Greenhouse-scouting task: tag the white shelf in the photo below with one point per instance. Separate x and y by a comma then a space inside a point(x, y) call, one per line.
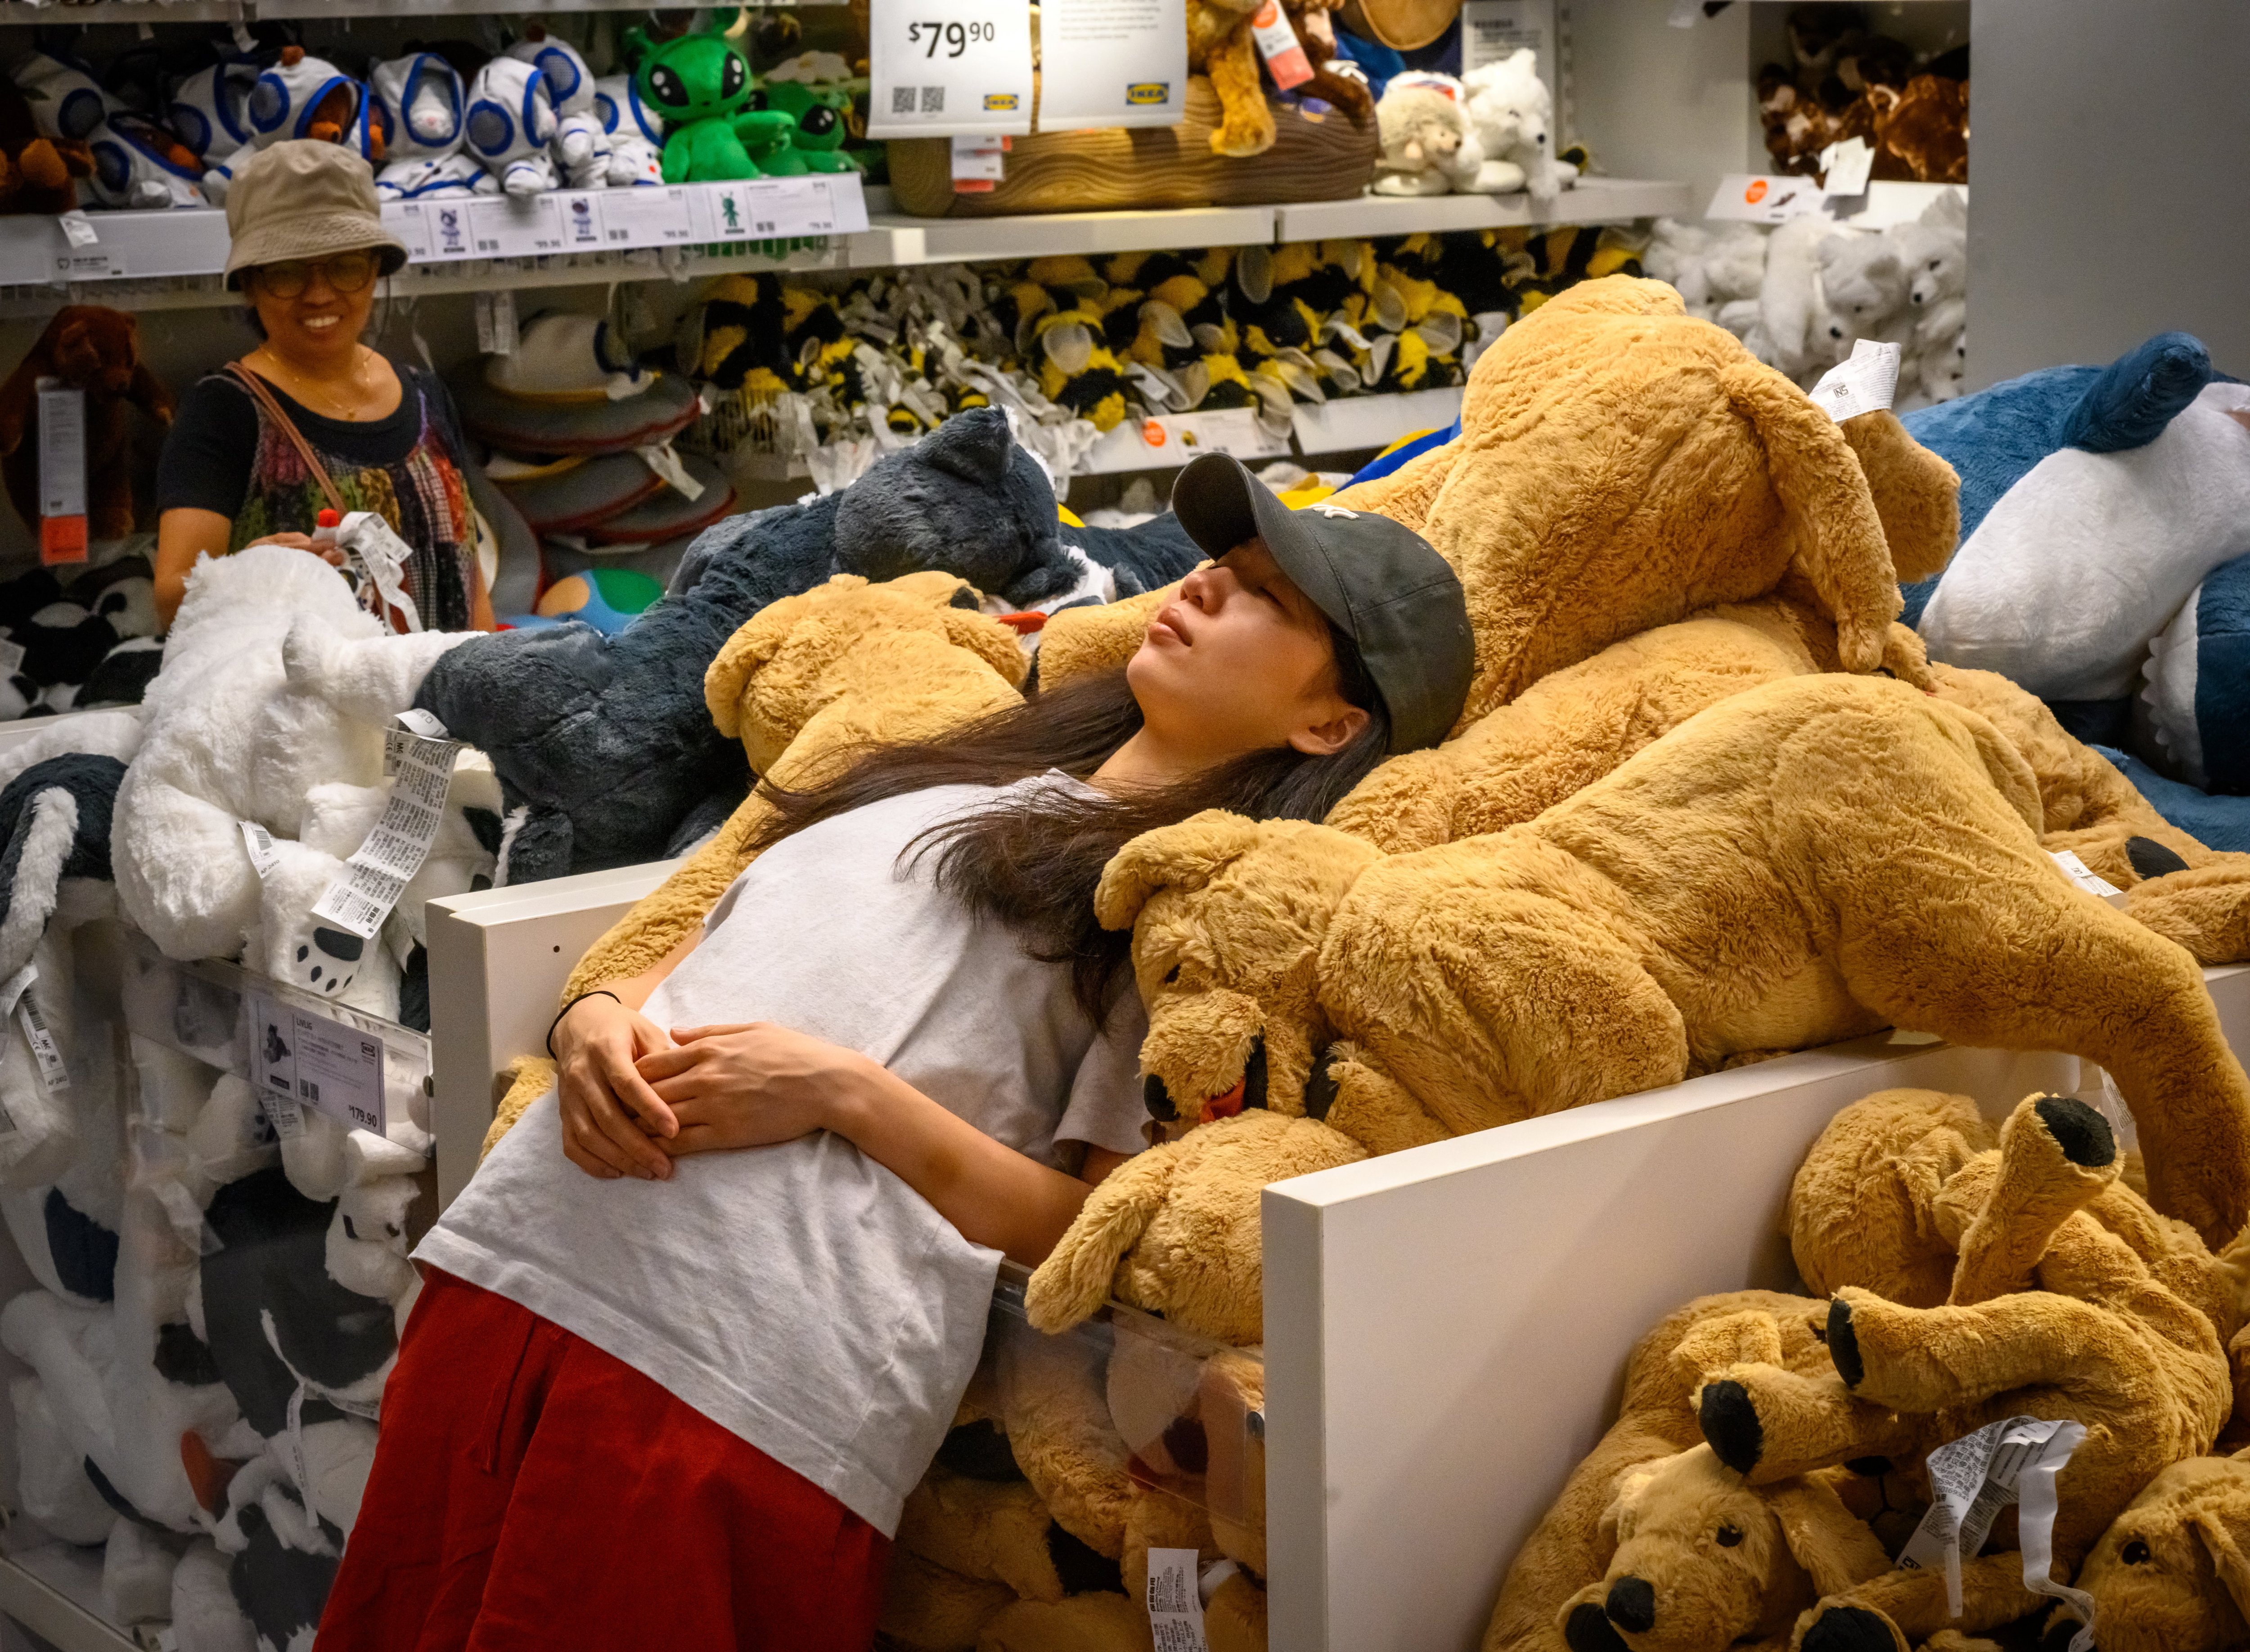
point(1353, 422)
point(51, 1605)
point(893, 238)
point(170, 260)
point(1591, 200)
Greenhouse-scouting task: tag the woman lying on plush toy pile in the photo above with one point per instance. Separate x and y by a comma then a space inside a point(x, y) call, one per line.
point(702, 1321)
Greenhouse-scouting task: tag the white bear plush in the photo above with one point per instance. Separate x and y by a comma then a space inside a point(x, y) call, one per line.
point(1935, 251)
point(238, 730)
point(1717, 270)
point(1863, 284)
point(1512, 115)
point(1795, 330)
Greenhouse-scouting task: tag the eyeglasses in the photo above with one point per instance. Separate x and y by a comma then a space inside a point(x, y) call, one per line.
point(345, 273)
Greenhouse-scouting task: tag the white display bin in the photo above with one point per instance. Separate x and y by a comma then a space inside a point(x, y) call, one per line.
point(1446, 1328)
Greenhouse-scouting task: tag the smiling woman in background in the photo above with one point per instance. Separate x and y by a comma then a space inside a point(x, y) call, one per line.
point(313, 419)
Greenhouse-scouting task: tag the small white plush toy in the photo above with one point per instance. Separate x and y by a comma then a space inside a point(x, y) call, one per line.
point(1428, 146)
point(1512, 115)
point(580, 143)
point(1863, 282)
point(308, 97)
point(1795, 331)
point(512, 122)
point(635, 134)
point(1712, 268)
point(1934, 250)
point(66, 100)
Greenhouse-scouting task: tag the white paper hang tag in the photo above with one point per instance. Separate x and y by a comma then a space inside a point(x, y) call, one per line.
point(1277, 43)
point(11, 657)
point(666, 464)
point(2086, 878)
point(367, 536)
point(979, 163)
point(62, 472)
point(302, 1058)
point(1175, 1601)
point(259, 843)
point(947, 66)
point(77, 229)
point(380, 867)
point(1975, 1477)
point(1845, 166)
point(496, 323)
point(1864, 384)
point(54, 1072)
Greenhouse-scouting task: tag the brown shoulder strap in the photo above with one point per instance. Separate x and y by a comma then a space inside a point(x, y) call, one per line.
point(263, 395)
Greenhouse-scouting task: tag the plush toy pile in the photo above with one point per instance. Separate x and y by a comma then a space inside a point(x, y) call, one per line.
point(1071, 347)
point(159, 127)
point(1803, 295)
point(1489, 131)
point(1843, 82)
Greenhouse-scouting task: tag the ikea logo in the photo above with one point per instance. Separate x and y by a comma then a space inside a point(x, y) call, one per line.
point(1150, 92)
point(999, 100)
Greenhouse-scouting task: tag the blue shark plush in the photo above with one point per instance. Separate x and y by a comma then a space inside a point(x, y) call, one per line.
point(2104, 561)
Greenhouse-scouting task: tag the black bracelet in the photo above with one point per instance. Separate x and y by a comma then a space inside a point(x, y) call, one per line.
point(598, 991)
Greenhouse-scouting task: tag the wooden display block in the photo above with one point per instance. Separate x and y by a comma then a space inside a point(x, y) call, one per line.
point(1315, 157)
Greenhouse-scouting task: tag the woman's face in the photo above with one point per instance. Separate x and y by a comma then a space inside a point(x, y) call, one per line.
point(319, 324)
point(1240, 661)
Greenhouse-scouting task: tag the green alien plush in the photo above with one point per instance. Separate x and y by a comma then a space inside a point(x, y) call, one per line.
point(699, 83)
point(816, 145)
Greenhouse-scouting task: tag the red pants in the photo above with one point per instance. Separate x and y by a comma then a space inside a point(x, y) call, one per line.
point(532, 1494)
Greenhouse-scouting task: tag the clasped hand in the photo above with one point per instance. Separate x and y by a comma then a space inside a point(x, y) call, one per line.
point(634, 1097)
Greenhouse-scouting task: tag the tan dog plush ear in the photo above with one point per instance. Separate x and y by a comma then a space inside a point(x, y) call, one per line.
point(1839, 544)
point(2227, 1557)
point(1073, 1282)
point(1186, 857)
point(1917, 494)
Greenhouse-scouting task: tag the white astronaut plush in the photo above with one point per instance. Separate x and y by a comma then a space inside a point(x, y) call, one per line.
point(65, 102)
point(512, 121)
point(306, 97)
point(422, 105)
point(581, 144)
point(210, 112)
point(636, 135)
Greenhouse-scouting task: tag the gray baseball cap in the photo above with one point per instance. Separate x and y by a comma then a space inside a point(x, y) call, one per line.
point(1379, 582)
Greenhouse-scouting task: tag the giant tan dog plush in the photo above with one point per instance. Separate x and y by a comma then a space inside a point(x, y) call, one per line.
point(2172, 1572)
point(1815, 858)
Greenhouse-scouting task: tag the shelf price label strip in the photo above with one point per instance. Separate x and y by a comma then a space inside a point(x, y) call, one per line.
point(565, 221)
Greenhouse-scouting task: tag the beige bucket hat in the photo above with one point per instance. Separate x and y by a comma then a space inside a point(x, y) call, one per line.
point(305, 199)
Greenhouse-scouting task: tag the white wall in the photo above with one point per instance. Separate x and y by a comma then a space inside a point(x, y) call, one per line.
point(2110, 154)
point(1652, 101)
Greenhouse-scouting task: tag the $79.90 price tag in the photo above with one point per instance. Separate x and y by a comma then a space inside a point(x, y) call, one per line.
point(942, 66)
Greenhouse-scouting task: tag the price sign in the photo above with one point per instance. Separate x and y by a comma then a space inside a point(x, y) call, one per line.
point(515, 226)
point(1179, 437)
point(771, 208)
point(940, 66)
point(405, 220)
point(1751, 198)
point(1112, 63)
point(647, 215)
point(1493, 30)
point(301, 1059)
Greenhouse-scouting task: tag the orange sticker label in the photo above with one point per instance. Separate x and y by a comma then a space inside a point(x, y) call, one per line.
point(1755, 193)
point(1152, 433)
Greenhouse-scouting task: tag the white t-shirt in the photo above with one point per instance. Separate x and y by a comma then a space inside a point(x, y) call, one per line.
point(801, 1295)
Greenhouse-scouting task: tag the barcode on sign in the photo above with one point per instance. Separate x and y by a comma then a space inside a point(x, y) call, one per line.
point(932, 100)
point(485, 246)
point(310, 1091)
point(765, 225)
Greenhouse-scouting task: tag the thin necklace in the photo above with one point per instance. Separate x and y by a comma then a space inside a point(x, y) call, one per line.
point(359, 376)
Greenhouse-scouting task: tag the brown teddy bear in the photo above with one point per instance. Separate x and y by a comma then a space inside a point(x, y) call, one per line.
point(1219, 45)
point(38, 174)
point(2170, 1574)
point(98, 351)
point(1669, 895)
point(2051, 1315)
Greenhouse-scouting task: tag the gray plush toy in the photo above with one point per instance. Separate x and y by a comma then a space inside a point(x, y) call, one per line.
point(604, 749)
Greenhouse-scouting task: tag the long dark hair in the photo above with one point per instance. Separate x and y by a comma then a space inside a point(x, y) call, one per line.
point(1033, 860)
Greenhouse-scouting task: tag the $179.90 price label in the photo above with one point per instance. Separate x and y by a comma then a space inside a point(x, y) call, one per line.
point(942, 66)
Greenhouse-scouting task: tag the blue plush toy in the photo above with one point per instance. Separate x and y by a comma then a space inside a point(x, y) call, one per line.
point(604, 744)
